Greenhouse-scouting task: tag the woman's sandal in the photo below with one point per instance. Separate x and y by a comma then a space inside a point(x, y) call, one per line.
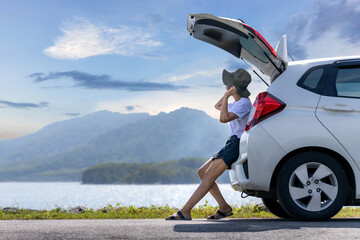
point(179, 216)
point(221, 215)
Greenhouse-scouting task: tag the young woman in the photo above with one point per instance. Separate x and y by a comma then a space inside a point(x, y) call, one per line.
point(237, 114)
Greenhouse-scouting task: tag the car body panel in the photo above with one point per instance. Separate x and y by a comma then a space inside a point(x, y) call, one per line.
point(338, 116)
point(260, 172)
point(237, 38)
point(296, 127)
point(341, 114)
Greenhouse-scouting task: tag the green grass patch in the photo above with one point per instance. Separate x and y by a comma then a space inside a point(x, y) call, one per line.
point(153, 212)
point(349, 212)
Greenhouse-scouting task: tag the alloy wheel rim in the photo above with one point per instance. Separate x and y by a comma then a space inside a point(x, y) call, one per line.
point(313, 186)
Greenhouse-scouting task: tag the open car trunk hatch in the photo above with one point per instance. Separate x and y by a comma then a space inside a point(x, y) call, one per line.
point(237, 38)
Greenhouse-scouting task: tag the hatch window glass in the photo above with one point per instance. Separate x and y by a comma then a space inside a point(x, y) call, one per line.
point(249, 44)
point(348, 82)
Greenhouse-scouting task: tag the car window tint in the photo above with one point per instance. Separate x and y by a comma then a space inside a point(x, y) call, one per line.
point(313, 79)
point(249, 44)
point(348, 82)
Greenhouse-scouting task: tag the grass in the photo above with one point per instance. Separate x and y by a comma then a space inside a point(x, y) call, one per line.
point(153, 212)
point(349, 212)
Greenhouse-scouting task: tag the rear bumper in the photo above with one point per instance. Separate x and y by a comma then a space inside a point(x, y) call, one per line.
point(259, 155)
point(237, 174)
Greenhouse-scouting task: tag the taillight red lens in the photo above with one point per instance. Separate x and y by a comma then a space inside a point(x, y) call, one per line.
point(266, 105)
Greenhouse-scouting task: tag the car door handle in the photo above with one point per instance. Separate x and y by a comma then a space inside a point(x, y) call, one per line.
point(337, 107)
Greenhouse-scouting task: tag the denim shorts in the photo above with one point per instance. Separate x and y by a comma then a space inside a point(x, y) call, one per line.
point(230, 152)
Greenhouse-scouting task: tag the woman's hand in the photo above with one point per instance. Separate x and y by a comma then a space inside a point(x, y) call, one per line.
point(225, 116)
point(230, 92)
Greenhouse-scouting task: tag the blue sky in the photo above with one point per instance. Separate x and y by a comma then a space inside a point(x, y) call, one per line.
point(62, 59)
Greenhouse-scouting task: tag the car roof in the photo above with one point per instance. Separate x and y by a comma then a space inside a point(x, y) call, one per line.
point(321, 61)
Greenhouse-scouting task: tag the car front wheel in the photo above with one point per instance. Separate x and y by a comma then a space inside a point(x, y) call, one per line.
point(312, 186)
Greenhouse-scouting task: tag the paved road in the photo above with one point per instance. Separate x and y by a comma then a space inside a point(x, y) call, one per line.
point(196, 229)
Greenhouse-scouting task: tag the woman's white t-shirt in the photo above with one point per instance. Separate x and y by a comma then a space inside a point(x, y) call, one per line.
point(242, 109)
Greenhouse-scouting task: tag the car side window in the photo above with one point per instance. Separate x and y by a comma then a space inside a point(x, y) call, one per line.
point(347, 82)
point(314, 79)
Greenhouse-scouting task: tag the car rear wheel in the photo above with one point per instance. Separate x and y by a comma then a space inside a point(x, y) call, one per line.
point(275, 208)
point(312, 186)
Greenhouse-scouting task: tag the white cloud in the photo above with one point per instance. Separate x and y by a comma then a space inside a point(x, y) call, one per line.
point(202, 98)
point(82, 39)
point(153, 56)
point(330, 45)
point(209, 72)
point(173, 77)
point(181, 77)
point(327, 30)
point(353, 4)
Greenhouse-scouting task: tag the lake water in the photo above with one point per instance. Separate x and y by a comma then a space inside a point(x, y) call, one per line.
point(49, 195)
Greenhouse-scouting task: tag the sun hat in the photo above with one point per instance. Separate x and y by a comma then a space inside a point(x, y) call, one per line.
point(240, 79)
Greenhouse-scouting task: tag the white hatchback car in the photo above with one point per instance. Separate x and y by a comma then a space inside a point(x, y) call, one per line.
point(300, 151)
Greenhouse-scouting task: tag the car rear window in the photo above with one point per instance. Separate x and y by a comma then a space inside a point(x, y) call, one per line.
point(249, 44)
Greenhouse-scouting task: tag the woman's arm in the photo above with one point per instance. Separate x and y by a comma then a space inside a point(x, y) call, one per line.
point(218, 104)
point(225, 116)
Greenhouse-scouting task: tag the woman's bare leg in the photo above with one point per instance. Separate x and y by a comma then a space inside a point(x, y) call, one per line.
point(216, 168)
point(214, 190)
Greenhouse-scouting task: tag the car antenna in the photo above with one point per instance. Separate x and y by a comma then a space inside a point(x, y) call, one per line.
point(255, 72)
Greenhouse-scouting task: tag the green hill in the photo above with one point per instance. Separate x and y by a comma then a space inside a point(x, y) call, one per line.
point(182, 171)
point(133, 138)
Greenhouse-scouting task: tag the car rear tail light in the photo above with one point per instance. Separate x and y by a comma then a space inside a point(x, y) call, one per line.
point(266, 105)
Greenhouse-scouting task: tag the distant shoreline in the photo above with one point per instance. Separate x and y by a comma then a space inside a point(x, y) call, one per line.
point(181, 171)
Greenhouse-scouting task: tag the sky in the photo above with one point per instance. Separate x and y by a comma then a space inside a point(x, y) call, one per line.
point(62, 59)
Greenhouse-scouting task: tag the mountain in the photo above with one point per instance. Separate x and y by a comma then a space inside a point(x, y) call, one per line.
point(142, 139)
point(64, 135)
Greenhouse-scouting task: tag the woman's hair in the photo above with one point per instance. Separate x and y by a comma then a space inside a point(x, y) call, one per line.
point(238, 89)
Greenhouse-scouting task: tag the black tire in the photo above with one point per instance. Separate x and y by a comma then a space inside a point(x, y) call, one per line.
point(312, 186)
point(275, 208)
